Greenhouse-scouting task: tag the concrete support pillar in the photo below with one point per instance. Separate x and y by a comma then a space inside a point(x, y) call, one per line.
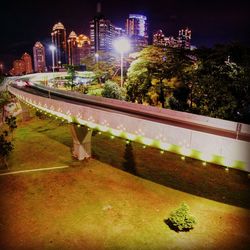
point(81, 142)
point(25, 112)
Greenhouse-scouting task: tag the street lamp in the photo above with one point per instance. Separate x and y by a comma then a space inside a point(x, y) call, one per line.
point(97, 60)
point(53, 48)
point(96, 57)
point(122, 45)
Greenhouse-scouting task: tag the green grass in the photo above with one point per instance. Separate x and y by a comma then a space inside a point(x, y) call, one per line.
point(42, 143)
point(189, 175)
point(38, 144)
point(92, 205)
point(95, 206)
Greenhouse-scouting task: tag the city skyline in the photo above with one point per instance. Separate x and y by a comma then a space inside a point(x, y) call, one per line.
point(217, 22)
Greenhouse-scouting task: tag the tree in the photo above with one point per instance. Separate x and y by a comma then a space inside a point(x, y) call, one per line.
point(6, 147)
point(112, 90)
point(11, 122)
point(104, 68)
point(5, 98)
point(146, 75)
point(220, 86)
point(149, 76)
point(71, 70)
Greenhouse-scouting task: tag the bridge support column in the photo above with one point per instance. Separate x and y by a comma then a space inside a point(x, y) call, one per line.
point(81, 142)
point(25, 112)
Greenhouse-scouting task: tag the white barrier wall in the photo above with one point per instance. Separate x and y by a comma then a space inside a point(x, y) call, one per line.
point(204, 146)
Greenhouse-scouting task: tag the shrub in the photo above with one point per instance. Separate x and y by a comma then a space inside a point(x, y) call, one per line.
point(180, 219)
point(112, 90)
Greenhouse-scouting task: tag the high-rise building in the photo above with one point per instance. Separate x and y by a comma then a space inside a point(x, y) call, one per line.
point(39, 57)
point(58, 36)
point(18, 67)
point(184, 38)
point(103, 32)
point(159, 38)
point(182, 41)
point(119, 31)
point(27, 63)
point(78, 48)
point(136, 29)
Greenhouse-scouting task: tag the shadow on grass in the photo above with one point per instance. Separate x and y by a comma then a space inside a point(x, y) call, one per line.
point(129, 164)
point(174, 228)
point(168, 169)
point(64, 137)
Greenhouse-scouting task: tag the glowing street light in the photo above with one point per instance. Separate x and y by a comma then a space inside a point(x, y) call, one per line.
point(96, 57)
point(122, 45)
point(53, 48)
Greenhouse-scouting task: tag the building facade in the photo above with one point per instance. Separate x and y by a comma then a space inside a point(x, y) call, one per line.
point(137, 30)
point(58, 36)
point(27, 63)
point(103, 33)
point(78, 48)
point(39, 57)
point(18, 68)
point(183, 40)
point(159, 38)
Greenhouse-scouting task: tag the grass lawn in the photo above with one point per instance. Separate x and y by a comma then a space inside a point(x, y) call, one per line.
point(92, 205)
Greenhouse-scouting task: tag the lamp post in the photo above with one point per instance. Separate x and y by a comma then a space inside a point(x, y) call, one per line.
point(122, 45)
point(53, 48)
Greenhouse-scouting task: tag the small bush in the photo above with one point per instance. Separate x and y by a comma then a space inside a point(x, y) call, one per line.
point(180, 219)
point(112, 90)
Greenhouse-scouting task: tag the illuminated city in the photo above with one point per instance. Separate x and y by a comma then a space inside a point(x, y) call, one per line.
point(125, 125)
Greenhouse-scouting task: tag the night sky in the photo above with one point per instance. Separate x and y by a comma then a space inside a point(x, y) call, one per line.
point(215, 21)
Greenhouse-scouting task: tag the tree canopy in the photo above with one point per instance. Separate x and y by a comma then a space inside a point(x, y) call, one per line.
point(213, 82)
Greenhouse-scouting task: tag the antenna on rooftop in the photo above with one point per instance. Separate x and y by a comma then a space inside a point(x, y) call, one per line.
point(99, 8)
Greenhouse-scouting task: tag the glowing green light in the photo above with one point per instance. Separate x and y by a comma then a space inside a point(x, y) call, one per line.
point(116, 132)
point(186, 151)
point(183, 158)
point(112, 137)
point(131, 137)
point(204, 163)
point(164, 146)
point(147, 141)
point(162, 152)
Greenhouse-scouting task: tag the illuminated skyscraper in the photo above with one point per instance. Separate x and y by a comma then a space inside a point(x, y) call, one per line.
point(182, 41)
point(27, 63)
point(184, 38)
point(18, 67)
point(39, 57)
point(78, 48)
point(159, 38)
point(102, 32)
point(58, 36)
point(136, 29)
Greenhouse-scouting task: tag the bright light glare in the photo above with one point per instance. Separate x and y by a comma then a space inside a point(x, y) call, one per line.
point(52, 47)
point(122, 45)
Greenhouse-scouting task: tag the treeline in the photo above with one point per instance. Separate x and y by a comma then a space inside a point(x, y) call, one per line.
point(213, 82)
